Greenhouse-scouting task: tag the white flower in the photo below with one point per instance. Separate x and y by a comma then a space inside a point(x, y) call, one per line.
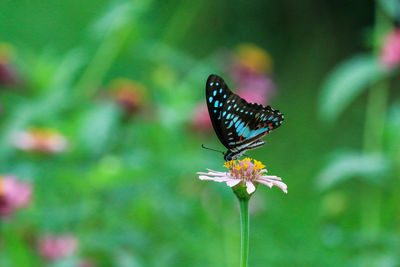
point(245, 172)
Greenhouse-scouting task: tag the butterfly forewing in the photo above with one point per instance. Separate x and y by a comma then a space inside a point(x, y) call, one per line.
point(217, 92)
point(237, 122)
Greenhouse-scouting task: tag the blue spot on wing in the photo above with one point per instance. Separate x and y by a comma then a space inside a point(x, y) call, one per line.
point(257, 132)
point(245, 132)
point(237, 124)
point(239, 127)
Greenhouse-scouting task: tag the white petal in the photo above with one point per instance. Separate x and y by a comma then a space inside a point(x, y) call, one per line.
point(270, 177)
point(216, 172)
point(281, 185)
point(212, 173)
point(250, 187)
point(270, 183)
point(215, 179)
point(264, 182)
point(233, 182)
point(203, 177)
point(263, 171)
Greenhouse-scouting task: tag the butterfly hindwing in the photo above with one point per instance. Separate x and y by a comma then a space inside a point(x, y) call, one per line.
point(238, 123)
point(248, 122)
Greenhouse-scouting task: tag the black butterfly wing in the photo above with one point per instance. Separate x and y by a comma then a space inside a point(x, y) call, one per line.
point(237, 122)
point(217, 93)
point(249, 122)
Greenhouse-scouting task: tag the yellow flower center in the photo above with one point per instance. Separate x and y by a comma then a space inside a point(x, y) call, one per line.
point(238, 167)
point(229, 164)
point(258, 165)
point(235, 166)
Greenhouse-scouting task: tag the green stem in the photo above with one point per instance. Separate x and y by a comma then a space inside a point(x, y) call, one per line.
point(244, 231)
point(373, 139)
point(373, 135)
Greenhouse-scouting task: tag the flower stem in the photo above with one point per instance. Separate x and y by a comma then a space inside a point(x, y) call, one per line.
point(244, 231)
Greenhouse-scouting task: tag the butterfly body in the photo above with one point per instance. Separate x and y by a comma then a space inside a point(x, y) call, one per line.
point(238, 124)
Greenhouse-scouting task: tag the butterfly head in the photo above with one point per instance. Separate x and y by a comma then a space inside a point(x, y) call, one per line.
point(230, 155)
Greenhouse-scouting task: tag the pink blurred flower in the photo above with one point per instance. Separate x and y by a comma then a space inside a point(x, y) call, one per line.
point(200, 119)
point(130, 95)
point(8, 75)
point(40, 140)
point(244, 173)
point(53, 248)
point(250, 71)
point(390, 53)
point(258, 89)
point(14, 194)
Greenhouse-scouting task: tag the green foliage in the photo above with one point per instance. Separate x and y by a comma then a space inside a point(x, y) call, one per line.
point(346, 82)
point(391, 7)
point(126, 185)
point(347, 165)
point(97, 126)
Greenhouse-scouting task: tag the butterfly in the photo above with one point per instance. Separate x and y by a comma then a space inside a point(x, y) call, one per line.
point(238, 124)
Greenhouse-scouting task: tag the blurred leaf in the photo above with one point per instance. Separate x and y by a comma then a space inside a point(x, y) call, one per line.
point(68, 262)
point(126, 259)
point(348, 165)
point(117, 16)
point(389, 6)
point(346, 82)
point(16, 248)
point(121, 23)
point(376, 258)
point(97, 127)
point(39, 68)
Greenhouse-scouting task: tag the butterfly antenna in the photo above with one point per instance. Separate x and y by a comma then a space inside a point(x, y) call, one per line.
point(203, 146)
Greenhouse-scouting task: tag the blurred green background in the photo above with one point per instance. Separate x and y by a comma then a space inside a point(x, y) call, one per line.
point(120, 81)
